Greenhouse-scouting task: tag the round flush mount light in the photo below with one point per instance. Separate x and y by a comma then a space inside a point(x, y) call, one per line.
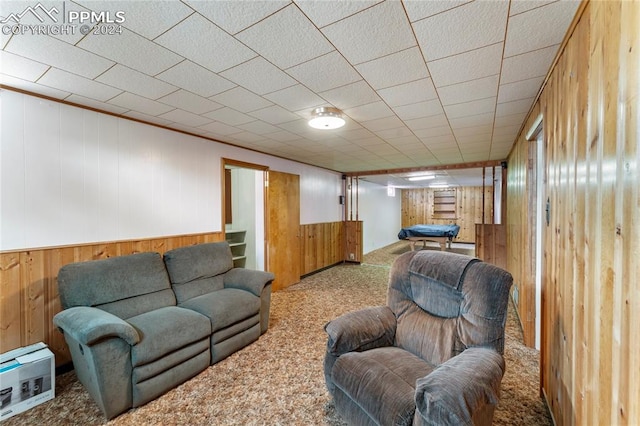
point(326, 118)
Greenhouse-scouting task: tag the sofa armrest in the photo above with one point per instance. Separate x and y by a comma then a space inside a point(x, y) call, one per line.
point(460, 388)
point(361, 330)
point(89, 325)
point(247, 279)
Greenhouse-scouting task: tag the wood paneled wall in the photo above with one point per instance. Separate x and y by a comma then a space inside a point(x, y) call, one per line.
point(29, 287)
point(491, 242)
point(417, 208)
point(590, 356)
point(322, 245)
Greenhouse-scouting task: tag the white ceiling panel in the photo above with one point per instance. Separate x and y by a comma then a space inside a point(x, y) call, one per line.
point(212, 48)
point(477, 24)
point(548, 23)
point(241, 99)
point(382, 30)
point(73, 83)
point(385, 72)
point(189, 102)
point(135, 82)
point(131, 50)
point(286, 38)
point(190, 76)
point(409, 93)
point(325, 72)
point(59, 54)
point(234, 16)
point(469, 91)
point(140, 104)
point(249, 73)
point(259, 76)
point(472, 65)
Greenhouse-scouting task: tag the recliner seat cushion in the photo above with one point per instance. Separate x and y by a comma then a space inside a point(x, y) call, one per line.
point(381, 382)
point(225, 307)
point(166, 330)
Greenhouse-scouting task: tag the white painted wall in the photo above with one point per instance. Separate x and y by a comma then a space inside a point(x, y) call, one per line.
point(71, 176)
point(381, 215)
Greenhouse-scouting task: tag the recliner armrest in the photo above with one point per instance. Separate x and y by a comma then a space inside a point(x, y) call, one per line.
point(247, 279)
point(88, 325)
point(459, 388)
point(361, 330)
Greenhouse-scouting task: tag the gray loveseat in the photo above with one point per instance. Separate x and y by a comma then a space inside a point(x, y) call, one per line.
point(433, 355)
point(141, 324)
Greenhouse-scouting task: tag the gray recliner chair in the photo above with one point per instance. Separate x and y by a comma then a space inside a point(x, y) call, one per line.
point(433, 356)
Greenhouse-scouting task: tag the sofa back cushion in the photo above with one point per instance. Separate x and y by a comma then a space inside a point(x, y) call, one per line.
point(125, 286)
point(198, 269)
point(445, 302)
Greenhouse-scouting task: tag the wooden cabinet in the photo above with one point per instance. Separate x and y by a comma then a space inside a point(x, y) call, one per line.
point(236, 240)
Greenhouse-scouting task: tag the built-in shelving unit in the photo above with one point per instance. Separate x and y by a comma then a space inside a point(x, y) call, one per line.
point(236, 240)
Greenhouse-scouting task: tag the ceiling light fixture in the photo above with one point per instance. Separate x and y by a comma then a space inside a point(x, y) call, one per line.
point(326, 118)
point(423, 177)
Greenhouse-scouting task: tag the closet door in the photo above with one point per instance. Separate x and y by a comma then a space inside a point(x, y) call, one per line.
point(283, 228)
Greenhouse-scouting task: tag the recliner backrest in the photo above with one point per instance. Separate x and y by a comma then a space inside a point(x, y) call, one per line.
point(445, 302)
point(198, 269)
point(125, 286)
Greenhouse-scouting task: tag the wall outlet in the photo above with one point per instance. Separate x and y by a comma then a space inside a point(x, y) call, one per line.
point(352, 256)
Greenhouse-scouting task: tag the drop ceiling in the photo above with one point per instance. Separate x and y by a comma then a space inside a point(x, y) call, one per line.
point(421, 83)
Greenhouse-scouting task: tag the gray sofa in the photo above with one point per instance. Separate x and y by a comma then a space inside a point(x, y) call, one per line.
point(141, 324)
point(433, 355)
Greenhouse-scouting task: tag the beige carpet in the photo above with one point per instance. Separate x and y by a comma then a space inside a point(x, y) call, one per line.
point(278, 380)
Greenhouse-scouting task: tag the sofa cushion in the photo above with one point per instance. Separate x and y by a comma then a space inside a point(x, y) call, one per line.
point(225, 307)
point(382, 382)
point(197, 270)
point(125, 286)
point(166, 330)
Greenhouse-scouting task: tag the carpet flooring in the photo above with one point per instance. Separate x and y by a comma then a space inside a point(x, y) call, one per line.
point(279, 380)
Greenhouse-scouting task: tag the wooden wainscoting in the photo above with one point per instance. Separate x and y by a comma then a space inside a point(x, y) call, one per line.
point(29, 286)
point(321, 245)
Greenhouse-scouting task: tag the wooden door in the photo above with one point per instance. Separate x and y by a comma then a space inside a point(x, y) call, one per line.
point(283, 228)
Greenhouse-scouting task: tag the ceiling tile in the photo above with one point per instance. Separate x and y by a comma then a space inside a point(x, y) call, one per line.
point(510, 120)
point(469, 91)
point(296, 98)
point(147, 18)
point(131, 50)
point(73, 83)
point(370, 111)
point(138, 103)
point(438, 120)
point(480, 130)
point(184, 117)
point(59, 54)
point(274, 115)
point(20, 67)
point(321, 15)
point(286, 38)
point(520, 6)
point(420, 9)
point(385, 72)
point(229, 116)
point(419, 110)
point(213, 48)
point(540, 27)
point(325, 72)
point(220, 129)
point(135, 82)
point(409, 93)
point(234, 16)
point(467, 66)
point(351, 95)
point(189, 102)
point(390, 34)
point(528, 65)
point(241, 99)
point(432, 132)
point(262, 128)
point(477, 24)
point(283, 136)
point(514, 107)
point(472, 120)
point(196, 79)
point(28, 86)
point(259, 76)
point(246, 137)
point(147, 118)
point(101, 106)
point(471, 108)
point(520, 89)
point(395, 133)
